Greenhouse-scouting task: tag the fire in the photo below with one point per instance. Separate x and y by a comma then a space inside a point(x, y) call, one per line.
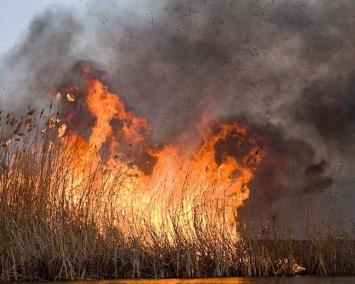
point(162, 187)
point(106, 107)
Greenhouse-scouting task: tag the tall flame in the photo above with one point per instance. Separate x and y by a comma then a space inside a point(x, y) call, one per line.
point(159, 186)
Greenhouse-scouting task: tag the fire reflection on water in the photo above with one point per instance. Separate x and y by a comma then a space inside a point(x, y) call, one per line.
point(235, 280)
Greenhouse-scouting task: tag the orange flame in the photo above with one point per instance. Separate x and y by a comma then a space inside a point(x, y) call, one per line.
point(177, 192)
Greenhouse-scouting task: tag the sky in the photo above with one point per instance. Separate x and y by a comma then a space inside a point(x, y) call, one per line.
point(15, 16)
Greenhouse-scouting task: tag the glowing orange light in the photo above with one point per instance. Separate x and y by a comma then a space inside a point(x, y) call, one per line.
point(177, 191)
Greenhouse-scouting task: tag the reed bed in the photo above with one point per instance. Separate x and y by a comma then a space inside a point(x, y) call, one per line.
point(54, 229)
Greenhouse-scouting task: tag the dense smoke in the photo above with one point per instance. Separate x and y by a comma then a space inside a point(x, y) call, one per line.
point(284, 68)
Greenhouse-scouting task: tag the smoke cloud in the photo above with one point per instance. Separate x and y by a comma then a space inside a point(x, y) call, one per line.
point(284, 68)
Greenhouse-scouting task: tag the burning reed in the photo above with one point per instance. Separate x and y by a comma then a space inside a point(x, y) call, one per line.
point(101, 202)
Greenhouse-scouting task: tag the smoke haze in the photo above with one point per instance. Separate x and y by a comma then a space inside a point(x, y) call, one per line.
point(284, 68)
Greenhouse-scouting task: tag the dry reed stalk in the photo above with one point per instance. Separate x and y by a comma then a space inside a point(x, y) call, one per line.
point(53, 228)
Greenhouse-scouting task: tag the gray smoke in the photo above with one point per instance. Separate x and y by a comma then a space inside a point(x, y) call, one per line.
point(284, 68)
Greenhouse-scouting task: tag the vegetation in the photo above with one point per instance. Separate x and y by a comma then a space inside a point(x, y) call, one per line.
point(53, 228)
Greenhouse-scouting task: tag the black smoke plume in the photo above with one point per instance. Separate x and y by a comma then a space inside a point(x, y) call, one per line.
point(284, 68)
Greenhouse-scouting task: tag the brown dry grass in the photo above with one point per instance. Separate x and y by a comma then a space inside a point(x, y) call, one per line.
point(45, 234)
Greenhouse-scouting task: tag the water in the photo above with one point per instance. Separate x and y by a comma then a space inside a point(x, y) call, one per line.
point(272, 280)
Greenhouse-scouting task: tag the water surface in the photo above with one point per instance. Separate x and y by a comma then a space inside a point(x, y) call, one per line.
point(234, 280)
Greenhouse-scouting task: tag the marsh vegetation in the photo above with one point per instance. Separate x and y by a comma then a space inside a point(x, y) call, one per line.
point(54, 227)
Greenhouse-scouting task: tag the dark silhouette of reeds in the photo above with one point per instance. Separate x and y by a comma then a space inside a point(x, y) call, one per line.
point(45, 235)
